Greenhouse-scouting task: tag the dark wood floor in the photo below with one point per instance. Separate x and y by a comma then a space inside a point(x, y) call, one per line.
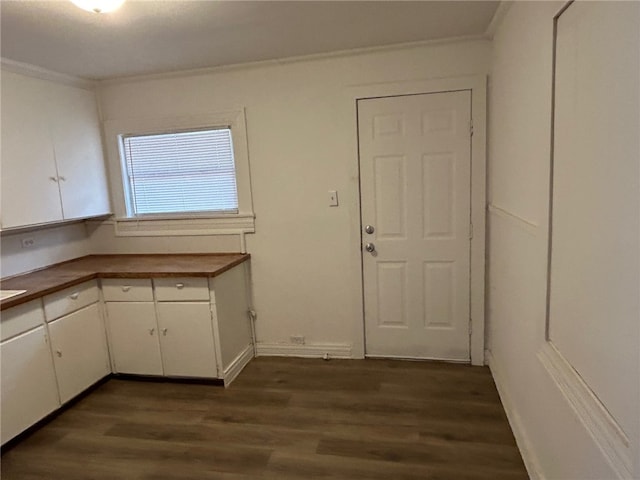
point(283, 419)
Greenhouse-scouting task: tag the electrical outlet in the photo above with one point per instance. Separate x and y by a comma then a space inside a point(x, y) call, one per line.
point(27, 242)
point(297, 339)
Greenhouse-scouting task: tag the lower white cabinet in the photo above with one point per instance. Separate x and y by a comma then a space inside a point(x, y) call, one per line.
point(79, 351)
point(29, 391)
point(180, 326)
point(186, 339)
point(133, 335)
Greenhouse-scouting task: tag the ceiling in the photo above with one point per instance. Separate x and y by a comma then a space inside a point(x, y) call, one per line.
point(159, 36)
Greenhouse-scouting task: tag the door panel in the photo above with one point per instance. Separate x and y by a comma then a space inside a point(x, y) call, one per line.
point(80, 351)
point(133, 336)
point(186, 337)
point(415, 174)
point(29, 390)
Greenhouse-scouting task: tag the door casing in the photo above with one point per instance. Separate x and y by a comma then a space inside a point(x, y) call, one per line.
point(476, 84)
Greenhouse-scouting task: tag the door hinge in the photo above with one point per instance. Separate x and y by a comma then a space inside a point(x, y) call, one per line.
point(470, 231)
point(471, 127)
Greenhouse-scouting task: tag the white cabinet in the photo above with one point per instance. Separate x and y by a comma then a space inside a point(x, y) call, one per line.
point(192, 327)
point(79, 351)
point(78, 151)
point(29, 190)
point(52, 163)
point(133, 337)
point(28, 386)
point(78, 338)
point(186, 339)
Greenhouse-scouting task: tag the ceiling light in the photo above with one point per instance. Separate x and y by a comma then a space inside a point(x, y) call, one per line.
point(98, 6)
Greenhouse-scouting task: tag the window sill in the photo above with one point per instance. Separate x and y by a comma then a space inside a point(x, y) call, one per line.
point(184, 225)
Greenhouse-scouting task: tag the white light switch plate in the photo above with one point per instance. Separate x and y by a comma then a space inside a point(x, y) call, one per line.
point(333, 198)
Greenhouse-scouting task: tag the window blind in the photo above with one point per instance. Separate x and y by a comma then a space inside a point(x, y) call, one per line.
point(181, 172)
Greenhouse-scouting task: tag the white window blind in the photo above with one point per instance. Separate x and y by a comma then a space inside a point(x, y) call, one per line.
point(180, 172)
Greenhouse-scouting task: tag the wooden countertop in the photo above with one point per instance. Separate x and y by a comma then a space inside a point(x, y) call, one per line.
point(66, 274)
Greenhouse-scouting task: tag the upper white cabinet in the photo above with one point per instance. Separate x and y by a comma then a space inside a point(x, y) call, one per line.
point(52, 166)
point(30, 193)
point(77, 144)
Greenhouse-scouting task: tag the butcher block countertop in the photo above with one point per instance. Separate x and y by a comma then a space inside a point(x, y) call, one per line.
point(66, 274)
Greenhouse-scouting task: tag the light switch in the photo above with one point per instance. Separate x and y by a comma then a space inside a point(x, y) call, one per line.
point(333, 198)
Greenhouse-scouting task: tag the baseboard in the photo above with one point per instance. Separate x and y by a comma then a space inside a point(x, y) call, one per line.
point(316, 350)
point(524, 445)
point(237, 364)
point(593, 414)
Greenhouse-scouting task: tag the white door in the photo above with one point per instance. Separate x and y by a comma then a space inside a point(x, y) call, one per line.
point(79, 351)
point(186, 339)
point(133, 337)
point(415, 174)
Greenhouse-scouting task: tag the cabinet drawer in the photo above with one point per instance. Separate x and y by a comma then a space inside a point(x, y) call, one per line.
point(170, 289)
point(127, 289)
point(70, 299)
point(20, 319)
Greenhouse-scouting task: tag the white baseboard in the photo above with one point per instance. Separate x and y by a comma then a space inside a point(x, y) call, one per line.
point(524, 445)
point(593, 414)
point(316, 350)
point(238, 363)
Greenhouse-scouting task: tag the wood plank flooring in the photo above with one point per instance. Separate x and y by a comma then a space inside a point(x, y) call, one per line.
point(283, 419)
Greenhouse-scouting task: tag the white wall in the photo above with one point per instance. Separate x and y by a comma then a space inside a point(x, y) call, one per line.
point(556, 422)
point(302, 142)
point(51, 245)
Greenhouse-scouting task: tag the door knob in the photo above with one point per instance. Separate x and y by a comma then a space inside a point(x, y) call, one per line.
point(370, 247)
point(369, 229)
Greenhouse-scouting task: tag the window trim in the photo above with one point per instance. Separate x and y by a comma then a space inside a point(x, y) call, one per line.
point(188, 223)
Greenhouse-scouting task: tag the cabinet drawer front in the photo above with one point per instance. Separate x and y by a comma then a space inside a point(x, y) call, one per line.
point(19, 319)
point(171, 289)
point(127, 289)
point(70, 299)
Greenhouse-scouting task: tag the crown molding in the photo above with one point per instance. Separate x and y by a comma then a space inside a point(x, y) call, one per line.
point(291, 60)
point(45, 74)
point(497, 19)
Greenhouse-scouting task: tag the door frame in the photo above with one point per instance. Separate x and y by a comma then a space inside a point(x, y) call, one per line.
point(477, 85)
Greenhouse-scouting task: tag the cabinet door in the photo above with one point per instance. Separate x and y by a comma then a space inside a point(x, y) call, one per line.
point(29, 189)
point(79, 349)
point(133, 336)
point(28, 386)
point(78, 151)
point(186, 338)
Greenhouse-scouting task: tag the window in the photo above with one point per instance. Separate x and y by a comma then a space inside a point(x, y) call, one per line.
point(180, 175)
point(180, 172)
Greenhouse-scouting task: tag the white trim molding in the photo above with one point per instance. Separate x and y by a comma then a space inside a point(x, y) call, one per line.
point(315, 350)
point(497, 18)
point(45, 74)
point(593, 414)
point(163, 227)
point(237, 365)
point(290, 60)
point(530, 227)
point(531, 462)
